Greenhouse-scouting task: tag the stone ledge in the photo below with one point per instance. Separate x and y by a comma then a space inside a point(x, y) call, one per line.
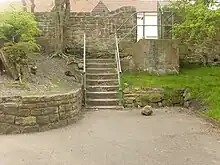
point(26, 114)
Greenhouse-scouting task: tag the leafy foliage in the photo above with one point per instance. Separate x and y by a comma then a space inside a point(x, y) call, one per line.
point(18, 30)
point(199, 26)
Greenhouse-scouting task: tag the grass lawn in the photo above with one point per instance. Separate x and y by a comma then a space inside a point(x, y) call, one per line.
point(204, 83)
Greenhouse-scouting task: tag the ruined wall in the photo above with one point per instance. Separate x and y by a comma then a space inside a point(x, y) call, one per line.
point(99, 29)
point(153, 56)
point(24, 114)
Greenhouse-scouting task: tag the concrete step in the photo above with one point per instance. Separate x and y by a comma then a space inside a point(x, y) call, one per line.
point(101, 88)
point(102, 82)
point(102, 95)
point(102, 102)
point(101, 70)
point(99, 60)
point(100, 65)
point(104, 107)
point(101, 76)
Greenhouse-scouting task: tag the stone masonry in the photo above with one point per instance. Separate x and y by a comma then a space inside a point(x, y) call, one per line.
point(156, 97)
point(25, 114)
point(99, 28)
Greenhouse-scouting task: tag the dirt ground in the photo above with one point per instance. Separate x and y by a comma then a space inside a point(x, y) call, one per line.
point(50, 78)
point(169, 137)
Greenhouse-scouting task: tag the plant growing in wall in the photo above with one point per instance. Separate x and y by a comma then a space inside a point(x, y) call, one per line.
point(18, 30)
point(200, 27)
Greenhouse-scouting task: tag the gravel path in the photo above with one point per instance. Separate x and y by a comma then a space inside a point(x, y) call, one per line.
point(118, 138)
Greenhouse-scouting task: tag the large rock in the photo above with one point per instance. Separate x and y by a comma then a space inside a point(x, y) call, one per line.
point(147, 111)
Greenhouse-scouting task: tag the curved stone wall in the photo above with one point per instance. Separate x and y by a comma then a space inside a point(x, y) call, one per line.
point(25, 114)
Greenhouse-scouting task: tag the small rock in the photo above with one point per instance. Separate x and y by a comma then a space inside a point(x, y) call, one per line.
point(160, 104)
point(80, 65)
point(147, 111)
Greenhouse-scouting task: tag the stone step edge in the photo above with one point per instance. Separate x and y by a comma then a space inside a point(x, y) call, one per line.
point(102, 100)
point(101, 86)
point(104, 107)
point(99, 63)
point(102, 80)
point(100, 69)
point(110, 92)
point(101, 74)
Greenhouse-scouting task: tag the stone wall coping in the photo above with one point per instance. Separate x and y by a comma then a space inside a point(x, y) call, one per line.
point(39, 98)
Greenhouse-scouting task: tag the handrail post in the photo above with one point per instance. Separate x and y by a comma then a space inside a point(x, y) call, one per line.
point(84, 68)
point(117, 58)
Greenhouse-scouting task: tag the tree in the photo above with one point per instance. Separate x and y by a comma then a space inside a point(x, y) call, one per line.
point(24, 5)
point(199, 29)
point(61, 13)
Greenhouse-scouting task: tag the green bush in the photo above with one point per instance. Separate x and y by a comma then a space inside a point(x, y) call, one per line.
point(18, 30)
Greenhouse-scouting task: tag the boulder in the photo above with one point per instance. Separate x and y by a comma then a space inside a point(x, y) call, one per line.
point(147, 111)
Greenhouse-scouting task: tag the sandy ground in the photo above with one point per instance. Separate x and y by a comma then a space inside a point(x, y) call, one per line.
point(169, 137)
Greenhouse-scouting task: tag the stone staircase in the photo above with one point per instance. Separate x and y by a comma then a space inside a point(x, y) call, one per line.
point(101, 84)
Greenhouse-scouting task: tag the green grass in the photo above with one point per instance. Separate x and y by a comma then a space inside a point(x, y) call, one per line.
point(204, 83)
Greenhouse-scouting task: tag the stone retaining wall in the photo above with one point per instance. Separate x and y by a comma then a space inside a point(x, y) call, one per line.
point(25, 114)
point(156, 97)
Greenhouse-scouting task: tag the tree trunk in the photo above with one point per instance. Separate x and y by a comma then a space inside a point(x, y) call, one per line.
point(32, 6)
point(61, 11)
point(24, 5)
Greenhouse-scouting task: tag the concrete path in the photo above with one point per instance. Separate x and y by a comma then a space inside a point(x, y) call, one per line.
point(118, 138)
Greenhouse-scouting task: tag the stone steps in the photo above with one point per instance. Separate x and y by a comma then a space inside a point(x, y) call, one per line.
point(100, 95)
point(101, 84)
point(101, 70)
point(101, 76)
point(102, 102)
point(100, 88)
point(100, 65)
point(104, 107)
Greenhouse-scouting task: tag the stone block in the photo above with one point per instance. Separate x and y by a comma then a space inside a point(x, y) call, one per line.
point(9, 129)
point(10, 108)
point(42, 120)
point(24, 112)
point(53, 117)
point(28, 106)
point(10, 119)
point(25, 121)
point(36, 112)
point(49, 110)
point(62, 115)
point(30, 129)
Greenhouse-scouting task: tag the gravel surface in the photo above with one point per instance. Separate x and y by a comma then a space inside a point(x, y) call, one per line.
point(50, 78)
point(169, 137)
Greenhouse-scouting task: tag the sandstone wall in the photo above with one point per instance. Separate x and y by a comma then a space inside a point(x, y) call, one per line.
point(20, 114)
point(154, 56)
point(156, 97)
point(99, 29)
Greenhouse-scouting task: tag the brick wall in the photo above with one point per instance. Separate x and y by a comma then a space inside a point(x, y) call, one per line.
point(99, 29)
